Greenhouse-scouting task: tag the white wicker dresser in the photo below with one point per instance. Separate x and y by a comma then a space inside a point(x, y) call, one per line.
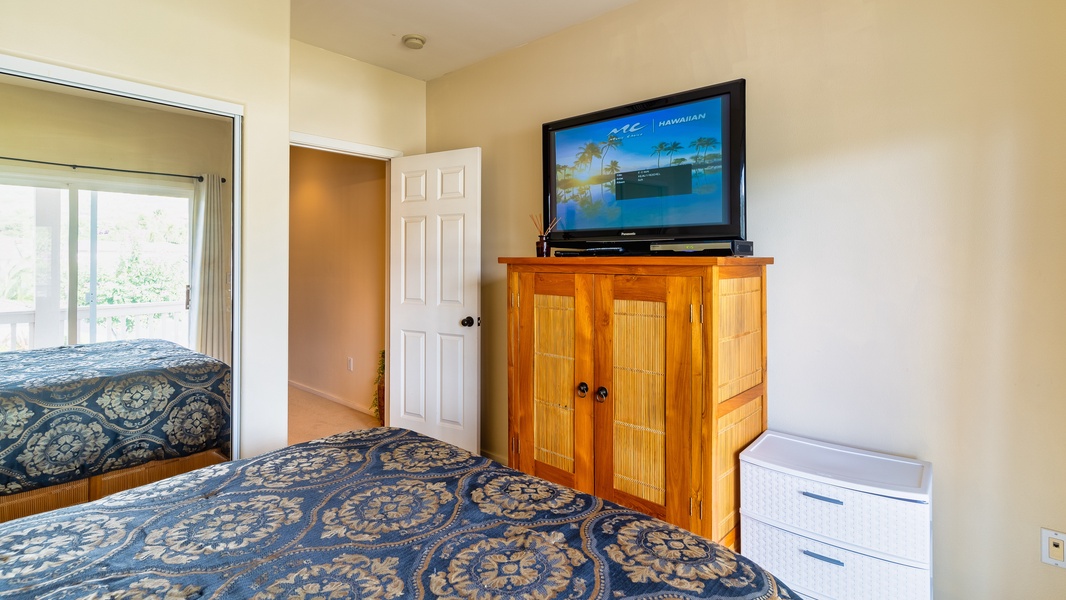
point(837, 523)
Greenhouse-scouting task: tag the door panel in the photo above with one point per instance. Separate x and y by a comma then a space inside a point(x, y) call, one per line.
point(553, 391)
point(557, 436)
point(413, 262)
point(452, 230)
point(639, 406)
point(644, 360)
point(451, 349)
point(436, 269)
point(412, 389)
point(133, 266)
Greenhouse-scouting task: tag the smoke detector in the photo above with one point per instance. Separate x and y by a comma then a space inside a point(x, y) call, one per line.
point(414, 41)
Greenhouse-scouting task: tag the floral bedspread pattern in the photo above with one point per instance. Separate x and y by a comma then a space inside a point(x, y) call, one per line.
point(71, 412)
point(382, 513)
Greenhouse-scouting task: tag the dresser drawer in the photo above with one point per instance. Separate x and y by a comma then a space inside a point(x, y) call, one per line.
point(821, 571)
point(896, 529)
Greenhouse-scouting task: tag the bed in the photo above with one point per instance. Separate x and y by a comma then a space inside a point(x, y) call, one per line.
point(79, 422)
point(378, 513)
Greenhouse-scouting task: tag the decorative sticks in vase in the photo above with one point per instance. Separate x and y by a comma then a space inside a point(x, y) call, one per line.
point(542, 233)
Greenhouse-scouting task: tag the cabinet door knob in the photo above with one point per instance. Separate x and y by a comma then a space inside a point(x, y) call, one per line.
point(582, 389)
point(601, 394)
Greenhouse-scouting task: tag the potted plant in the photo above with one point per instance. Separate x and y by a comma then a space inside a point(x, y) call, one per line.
point(378, 405)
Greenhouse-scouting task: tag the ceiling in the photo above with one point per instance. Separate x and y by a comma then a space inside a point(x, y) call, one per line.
point(458, 32)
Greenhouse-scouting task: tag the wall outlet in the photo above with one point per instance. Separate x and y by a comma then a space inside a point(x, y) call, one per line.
point(351, 364)
point(1053, 547)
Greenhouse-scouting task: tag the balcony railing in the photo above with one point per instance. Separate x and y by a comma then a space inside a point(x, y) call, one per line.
point(16, 329)
point(162, 320)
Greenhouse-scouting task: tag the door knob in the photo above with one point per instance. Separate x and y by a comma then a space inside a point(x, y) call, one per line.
point(582, 389)
point(601, 394)
point(467, 322)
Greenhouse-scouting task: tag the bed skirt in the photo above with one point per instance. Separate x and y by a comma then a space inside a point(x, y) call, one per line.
point(62, 495)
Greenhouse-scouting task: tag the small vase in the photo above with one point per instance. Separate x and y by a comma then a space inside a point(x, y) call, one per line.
point(542, 246)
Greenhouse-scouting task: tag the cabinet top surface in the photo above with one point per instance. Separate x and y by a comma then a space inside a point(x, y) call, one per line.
point(873, 472)
point(638, 260)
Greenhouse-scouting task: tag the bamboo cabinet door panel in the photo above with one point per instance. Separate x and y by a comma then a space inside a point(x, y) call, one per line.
point(555, 359)
point(643, 353)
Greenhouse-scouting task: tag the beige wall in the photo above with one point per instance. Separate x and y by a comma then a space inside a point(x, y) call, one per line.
point(336, 97)
point(236, 51)
point(336, 274)
point(905, 171)
point(51, 125)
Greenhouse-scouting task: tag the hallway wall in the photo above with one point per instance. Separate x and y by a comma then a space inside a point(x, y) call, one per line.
point(337, 267)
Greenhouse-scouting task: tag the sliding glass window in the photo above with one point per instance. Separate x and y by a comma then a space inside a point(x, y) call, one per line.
point(92, 260)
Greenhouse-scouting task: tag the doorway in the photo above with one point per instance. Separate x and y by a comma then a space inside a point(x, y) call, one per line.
point(337, 290)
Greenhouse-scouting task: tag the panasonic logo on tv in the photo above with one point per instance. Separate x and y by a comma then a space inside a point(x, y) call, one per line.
point(629, 233)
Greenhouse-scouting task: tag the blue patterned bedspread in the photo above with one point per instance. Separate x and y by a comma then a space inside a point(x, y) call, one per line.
point(71, 412)
point(381, 513)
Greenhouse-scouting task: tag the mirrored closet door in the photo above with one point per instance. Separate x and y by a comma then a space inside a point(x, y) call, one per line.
point(107, 231)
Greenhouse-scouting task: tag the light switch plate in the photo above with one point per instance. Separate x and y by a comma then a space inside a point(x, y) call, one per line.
point(1053, 547)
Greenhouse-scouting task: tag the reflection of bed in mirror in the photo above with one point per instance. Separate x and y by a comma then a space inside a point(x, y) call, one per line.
point(145, 148)
point(379, 513)
point(80, 422)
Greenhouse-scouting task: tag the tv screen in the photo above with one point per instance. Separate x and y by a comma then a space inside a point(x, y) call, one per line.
point(661, 170)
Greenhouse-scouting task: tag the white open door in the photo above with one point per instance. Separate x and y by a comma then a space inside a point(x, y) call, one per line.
point(434, 306)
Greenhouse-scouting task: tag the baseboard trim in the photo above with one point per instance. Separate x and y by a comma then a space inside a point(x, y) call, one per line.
point(500, 459)
point(326, 396)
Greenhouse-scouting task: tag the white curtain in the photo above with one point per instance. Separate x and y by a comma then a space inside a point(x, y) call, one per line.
point(210, 298)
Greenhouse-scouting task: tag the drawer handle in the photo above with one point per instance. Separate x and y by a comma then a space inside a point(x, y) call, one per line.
point(823, 498)
point(831, 561)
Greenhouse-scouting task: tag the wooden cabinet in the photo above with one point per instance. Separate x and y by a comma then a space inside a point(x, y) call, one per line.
point(639, 379)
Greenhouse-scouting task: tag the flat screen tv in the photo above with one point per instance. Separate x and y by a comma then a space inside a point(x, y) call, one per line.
point(659, 173)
